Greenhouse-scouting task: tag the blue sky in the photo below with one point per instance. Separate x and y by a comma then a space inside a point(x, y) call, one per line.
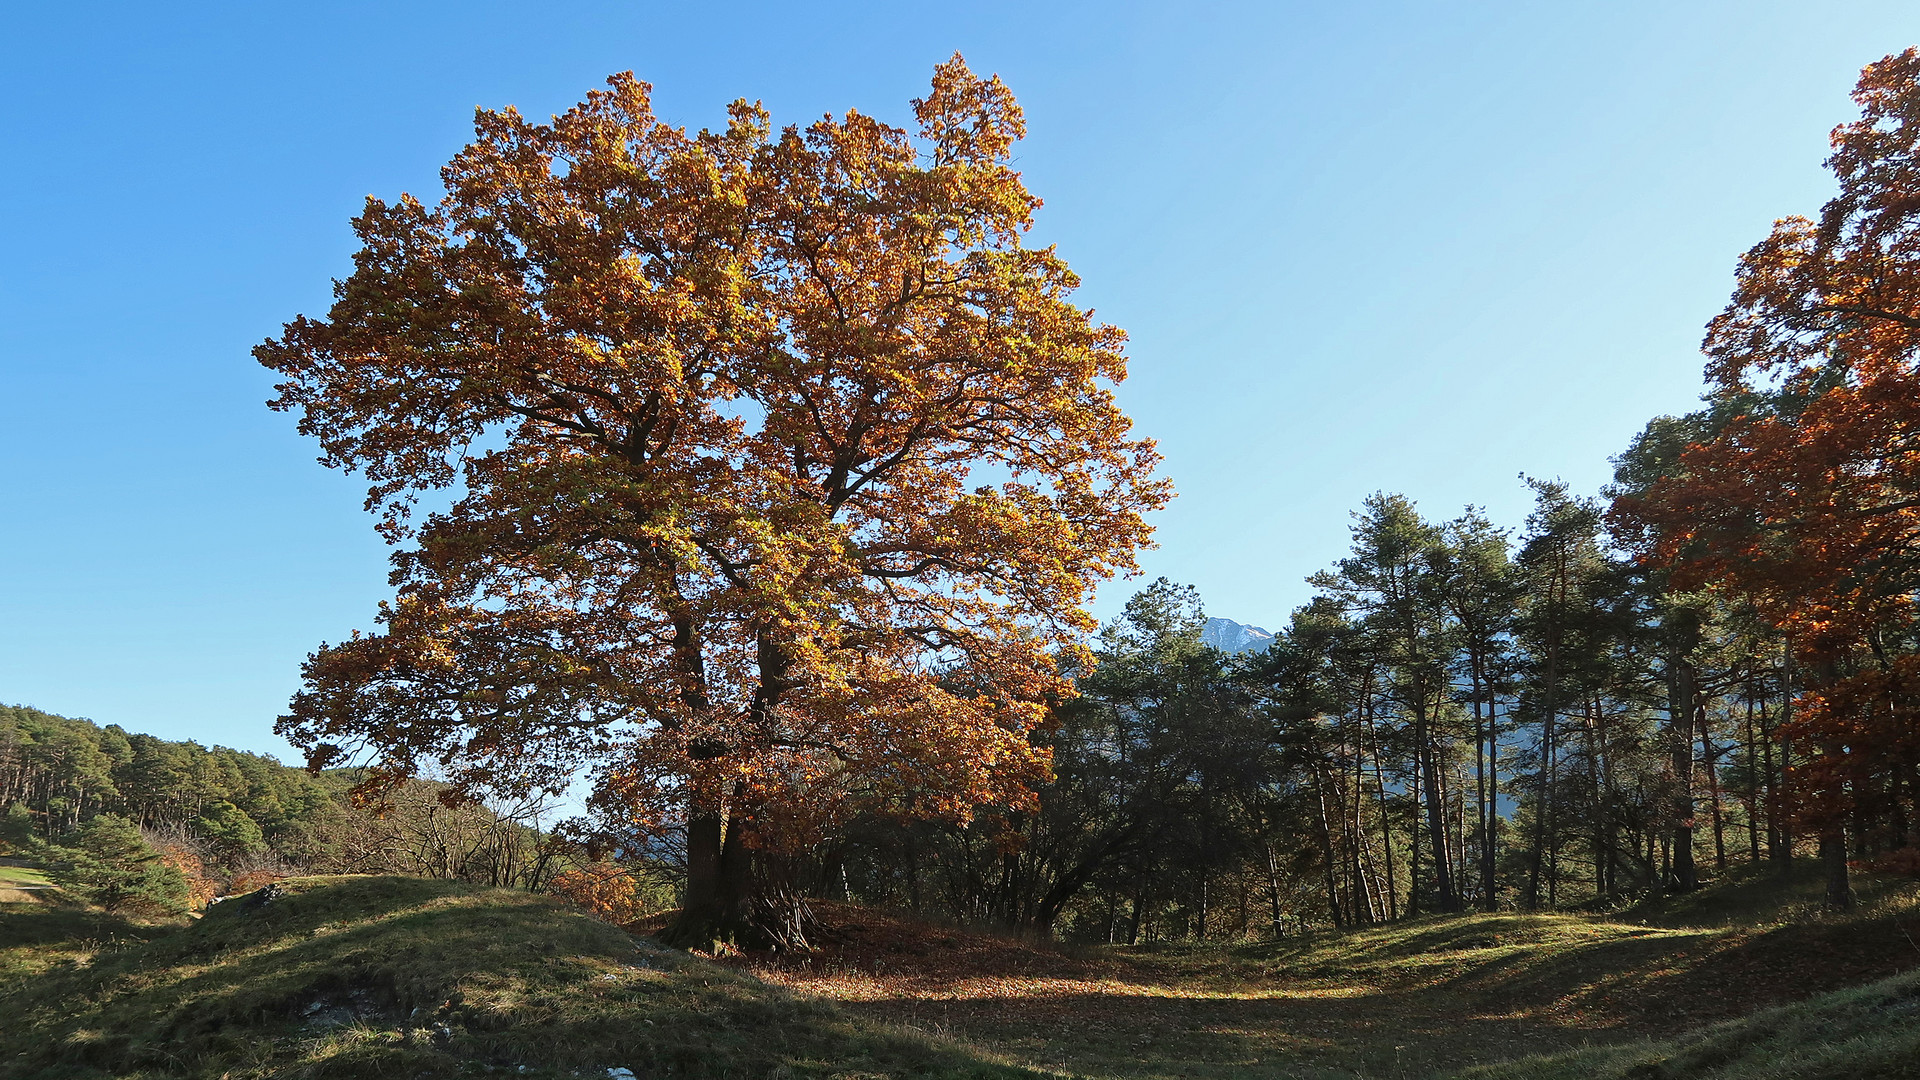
point(1406, 247)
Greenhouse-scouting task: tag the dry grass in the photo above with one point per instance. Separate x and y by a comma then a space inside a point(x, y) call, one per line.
point(1414, 999)
point(372, 977)
point(403, 977)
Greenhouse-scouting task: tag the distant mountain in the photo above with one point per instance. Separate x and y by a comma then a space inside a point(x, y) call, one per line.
point(1232, 637)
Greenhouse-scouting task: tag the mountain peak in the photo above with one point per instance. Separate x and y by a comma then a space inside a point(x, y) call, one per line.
point(1232, 637)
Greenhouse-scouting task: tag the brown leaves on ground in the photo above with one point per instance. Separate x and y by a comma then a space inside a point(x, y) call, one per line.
point(1431, 994)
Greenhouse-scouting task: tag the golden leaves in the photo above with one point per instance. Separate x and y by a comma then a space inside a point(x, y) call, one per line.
point(708, 406)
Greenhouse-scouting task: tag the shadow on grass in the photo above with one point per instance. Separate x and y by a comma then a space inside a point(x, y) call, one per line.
point(1409, 999)
point(380, 975)
point(50, 921)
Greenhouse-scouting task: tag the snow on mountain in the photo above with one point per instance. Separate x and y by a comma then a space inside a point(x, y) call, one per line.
point(1232, 637)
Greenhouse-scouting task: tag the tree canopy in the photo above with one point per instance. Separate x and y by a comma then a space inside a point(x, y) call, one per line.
point(777, 470)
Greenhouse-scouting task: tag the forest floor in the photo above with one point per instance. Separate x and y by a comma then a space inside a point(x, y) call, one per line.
point(1410, 999)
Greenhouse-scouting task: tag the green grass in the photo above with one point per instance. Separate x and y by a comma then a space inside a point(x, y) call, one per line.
point(1422, 998)
point(370, 977)
point(402, 977)
point(14, 877)
point(1867, 1033)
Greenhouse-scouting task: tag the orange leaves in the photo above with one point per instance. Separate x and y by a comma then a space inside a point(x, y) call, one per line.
point(1803, 493)
point(602, 890)
point(1805, 496)
point(200, 889)
point(710, 407)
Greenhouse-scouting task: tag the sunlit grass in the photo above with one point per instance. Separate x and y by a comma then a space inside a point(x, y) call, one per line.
point(1868, 1033)
point(403, 977)
point(15, 877)
point(1424, 997)
point(395, 976)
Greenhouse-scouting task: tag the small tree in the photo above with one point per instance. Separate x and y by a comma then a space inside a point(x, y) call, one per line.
point(782, 472)
point(16, 828)
point(112, 865)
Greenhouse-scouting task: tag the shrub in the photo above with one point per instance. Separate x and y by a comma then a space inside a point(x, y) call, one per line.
point(253, 879)
point(1903, 861)
point(200, 888)
point(112, 865)
point(600, 889)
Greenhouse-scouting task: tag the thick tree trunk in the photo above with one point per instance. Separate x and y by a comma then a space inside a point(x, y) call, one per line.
point(749, 898)
point(734, 897)
point(704, 835)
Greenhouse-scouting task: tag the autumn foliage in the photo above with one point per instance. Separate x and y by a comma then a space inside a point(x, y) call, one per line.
point(602, 889)
point(200, 888)
point(1806, 499)
point(778, 469)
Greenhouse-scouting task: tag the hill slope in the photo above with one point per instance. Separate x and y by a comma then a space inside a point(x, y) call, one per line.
point(382, 976)
point(1867, 1033)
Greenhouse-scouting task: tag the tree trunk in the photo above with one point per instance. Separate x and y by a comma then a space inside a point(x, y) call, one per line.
point(1680, 723)
point(1709, 758)
point(734, 895)
point(1781, 853)
point(1326, 847)
point(1436, 812)
point(1543, 817)
point(738, 895)
point(1833, 858)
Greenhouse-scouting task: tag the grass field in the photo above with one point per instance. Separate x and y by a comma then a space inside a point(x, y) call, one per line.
point(355, 977)
point(1414, 999)
point(21, 877)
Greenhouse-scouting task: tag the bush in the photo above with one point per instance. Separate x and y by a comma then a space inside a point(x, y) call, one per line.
point(112, 865)
point(253, 879)
point(200, 888)
point(600, 889)
point(1900, 861)
point(16, 828)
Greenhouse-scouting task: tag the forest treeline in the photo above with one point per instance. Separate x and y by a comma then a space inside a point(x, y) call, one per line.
point(124, 817)
point(1719, 664)
point(1460, 718)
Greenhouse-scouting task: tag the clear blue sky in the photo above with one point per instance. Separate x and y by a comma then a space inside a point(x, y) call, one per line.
point(1408, 247)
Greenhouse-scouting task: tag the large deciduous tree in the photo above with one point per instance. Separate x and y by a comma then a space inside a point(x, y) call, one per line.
point(1805, 497)
point(772, 474)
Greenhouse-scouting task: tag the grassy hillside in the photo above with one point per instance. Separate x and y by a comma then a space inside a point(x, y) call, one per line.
point(382, 976)
point(1867, 1033)
point(1420, 998)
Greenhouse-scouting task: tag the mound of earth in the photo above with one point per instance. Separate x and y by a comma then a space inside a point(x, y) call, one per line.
point(406, 977)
